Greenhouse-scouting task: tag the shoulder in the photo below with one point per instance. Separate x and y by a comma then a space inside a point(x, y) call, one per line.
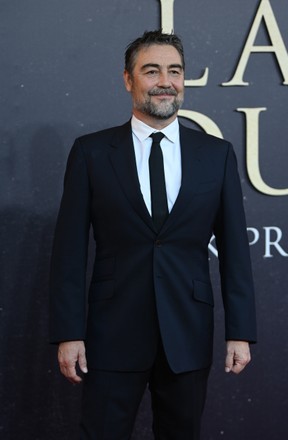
point(96, 144)
point(203, 139)
point(103, 137)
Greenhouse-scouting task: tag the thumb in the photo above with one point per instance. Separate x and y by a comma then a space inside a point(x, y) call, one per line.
point(82, 362)
point(229, 361)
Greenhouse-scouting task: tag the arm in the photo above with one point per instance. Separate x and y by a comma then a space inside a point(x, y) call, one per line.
point(235, 269)
point(69, 254)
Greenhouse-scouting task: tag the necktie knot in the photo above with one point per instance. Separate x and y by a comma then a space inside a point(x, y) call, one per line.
point(157, 137)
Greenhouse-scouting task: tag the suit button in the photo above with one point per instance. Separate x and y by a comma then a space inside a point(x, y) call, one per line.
point(158, 243)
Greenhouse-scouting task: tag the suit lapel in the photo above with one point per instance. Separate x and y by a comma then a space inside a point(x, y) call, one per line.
point(122, 157)
point(191, 174)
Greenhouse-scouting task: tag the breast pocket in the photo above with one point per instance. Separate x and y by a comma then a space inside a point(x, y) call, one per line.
point(204, 187)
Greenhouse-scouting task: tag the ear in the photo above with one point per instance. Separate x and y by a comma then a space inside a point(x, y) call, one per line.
point(127, 80)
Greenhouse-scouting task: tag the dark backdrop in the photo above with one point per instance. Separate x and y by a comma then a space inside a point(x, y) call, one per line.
point(61, 76)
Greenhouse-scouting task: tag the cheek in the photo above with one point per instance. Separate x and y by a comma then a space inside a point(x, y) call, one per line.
point(179, 86)
point(140, 92)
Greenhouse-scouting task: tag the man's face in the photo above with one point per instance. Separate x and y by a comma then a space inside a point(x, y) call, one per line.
point(156, 84)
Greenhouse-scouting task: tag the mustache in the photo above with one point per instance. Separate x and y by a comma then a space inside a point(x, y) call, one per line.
point(157, 92)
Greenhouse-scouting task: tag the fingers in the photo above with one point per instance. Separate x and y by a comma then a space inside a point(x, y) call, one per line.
point(69, 371)
point(82, 362)
point(238, 356)
point(69, 353)
point(229, 361)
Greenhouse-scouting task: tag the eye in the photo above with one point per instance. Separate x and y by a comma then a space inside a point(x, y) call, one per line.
point(175, 72)
point(152, 72)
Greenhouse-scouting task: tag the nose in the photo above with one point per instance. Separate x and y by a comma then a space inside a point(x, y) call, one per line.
point(164, 80)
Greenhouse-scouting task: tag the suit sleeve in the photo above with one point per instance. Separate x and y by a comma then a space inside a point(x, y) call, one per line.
point(69, 254)
point(234, 257)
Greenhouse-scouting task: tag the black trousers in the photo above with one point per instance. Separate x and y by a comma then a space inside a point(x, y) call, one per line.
point(111, 400)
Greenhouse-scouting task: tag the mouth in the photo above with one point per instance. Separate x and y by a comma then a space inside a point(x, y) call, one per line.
point(163, 93)
point(164, 96)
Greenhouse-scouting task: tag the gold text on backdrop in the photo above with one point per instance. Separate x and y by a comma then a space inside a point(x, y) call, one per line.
point(252, 152)
point(264, 15)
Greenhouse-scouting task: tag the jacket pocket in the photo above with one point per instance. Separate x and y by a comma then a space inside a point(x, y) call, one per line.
point(103, 269)
point(203, 292)
point(101, 290)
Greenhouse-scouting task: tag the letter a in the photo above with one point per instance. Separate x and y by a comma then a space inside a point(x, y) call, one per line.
point(264, 13)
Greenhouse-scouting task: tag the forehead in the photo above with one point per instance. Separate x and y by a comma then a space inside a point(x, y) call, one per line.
point(162, 54)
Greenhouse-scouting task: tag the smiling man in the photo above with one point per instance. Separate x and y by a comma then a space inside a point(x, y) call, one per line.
point(154, 193)
point(156, 82)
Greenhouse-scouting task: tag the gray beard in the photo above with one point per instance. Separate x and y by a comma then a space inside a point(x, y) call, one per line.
point(161, 111)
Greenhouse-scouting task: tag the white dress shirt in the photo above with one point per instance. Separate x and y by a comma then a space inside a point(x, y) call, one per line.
point(170, 146)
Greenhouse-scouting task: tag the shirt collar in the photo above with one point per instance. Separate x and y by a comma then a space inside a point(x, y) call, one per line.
point(142, 131)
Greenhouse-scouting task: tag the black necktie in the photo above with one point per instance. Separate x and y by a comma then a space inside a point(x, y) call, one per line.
point(157, 182)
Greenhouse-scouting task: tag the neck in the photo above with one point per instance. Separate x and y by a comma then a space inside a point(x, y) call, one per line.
point(158, 124)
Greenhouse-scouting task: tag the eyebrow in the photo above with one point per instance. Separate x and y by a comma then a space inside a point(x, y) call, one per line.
point(157, 66)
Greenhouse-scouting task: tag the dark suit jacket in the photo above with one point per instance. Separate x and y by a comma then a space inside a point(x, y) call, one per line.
point(146, 284)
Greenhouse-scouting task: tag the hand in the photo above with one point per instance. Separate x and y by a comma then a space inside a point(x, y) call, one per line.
point(69, 353)
point(238, 356)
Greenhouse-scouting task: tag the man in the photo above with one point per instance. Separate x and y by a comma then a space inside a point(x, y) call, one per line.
point(150, 312)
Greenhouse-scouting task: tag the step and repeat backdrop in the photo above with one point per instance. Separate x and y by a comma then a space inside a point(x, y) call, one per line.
point(61, 77)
